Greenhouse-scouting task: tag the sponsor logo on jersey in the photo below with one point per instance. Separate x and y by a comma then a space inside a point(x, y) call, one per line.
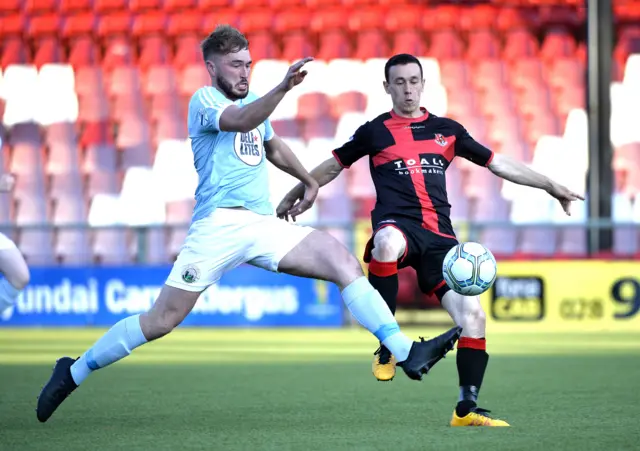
point(426, 164)
point(249, 147)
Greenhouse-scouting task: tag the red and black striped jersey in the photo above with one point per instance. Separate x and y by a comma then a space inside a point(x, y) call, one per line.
point(408, 158)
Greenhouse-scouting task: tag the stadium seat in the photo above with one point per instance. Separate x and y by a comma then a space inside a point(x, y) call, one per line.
point(337, 83)
point(139, 154)
point(266, 74)
point(557, 43)
point(93, 109)
point(501, 240)
point(93, 133)
point(72, 246)
point(360, 184)
point(483, 44)
point(140, 201)
point(154, 51)
point(60, 133)
point(36, 245)
point(319, 128)
point(530, 208)
point(632, 70)
point(286, 128)
point(160, 79)
point(519, 43)
point(446, 45)
point(625, 234)
point(194, 77)
point(455, 193)
point(124, 80)
point(167, 104)
point(63, 158)
point(26, 158)
point(69, 7)
point(314, 106)
point(104, 182)
point(100, 157)
point(348, 102)
point(30, 187)
point(67, 185)
point(188, 52)
point(170, 127)
point(296, 46)
point(110, 239)
point(454, 74)
point(489, 72)
point(347, 126)
point(127, 105)
point(174, 172)
point(572, 239)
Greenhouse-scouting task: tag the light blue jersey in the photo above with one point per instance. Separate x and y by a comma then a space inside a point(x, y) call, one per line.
point(231, 166)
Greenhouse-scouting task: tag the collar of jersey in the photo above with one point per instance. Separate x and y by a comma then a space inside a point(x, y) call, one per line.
point(424, 117)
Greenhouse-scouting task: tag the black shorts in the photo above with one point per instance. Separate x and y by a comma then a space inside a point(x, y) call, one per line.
point(425, 253)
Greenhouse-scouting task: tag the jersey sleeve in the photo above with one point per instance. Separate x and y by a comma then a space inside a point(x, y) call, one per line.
point(268, 130)
point(205, 112)
point(472, 150)
point(357, 147)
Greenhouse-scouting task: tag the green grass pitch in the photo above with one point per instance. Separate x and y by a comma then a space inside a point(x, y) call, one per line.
point(313, 390)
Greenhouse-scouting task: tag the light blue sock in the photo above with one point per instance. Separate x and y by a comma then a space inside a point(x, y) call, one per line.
point(8, 294)
point(117, 343)
point(367, 306)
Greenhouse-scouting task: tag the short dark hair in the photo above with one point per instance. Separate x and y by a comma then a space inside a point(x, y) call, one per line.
point(400, 60)
point(223, 40)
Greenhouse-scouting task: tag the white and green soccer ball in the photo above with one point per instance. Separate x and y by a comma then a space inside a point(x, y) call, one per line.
point(469, 269)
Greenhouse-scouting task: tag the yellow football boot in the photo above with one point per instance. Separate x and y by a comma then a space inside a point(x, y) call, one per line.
point(477, 417)
point(384, 364)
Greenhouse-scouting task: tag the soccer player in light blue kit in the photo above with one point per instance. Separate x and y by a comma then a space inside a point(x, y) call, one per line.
point(234, 223)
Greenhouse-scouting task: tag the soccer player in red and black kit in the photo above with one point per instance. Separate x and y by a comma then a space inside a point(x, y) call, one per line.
point(409, 151)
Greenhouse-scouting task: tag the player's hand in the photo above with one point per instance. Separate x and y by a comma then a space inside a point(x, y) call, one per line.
point(295, 75)
point(7, 181)
point(565, 196)
point(295, 205)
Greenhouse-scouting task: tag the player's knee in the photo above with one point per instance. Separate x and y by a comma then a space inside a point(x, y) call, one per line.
point(474, 320)
point(388, 245)
point(349, 271)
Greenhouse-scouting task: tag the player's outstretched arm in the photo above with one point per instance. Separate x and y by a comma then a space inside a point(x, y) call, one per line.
point(322, 174)
point(248, 117)
point(516, 172)
point(281, 156)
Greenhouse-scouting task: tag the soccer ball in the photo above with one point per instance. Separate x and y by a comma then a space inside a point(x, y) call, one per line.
point(469, 269)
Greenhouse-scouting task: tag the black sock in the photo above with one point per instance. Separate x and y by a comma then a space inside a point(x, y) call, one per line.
point(387, 287)
point(383, 276)
point(471, 359)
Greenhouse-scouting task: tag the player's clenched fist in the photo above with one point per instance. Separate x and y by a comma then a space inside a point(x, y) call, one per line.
point(295, 75)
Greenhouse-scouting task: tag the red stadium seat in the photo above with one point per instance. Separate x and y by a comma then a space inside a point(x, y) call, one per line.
point(326, 20)
point(314, 106)
point(187, 51)
point(366, 19)
point(371, 44)
point(35, 7)
point(160, 79)
point(454, 74)
point(360, 4)
point(519, 44)
point(180, 6)
point(513, 18)
point(170, 126)
point(79, 25)
point(446, 45)
point(10, 6)
point(246, 5)
point(557, 43)
point(320, 4)
point(185, 23)
point(262, 46)
point(296, 46)
point(110, 6)
point(124, 80)
point(165, 104)
point(409, 41)
point(333, 44)
point(99, 158)
point(75, 6)
point(287, 128)
point(89, 81)
point(153, 51)
point(116, 24)
point(138, 6)
point(540, 125)
point(15, 50)
point(220, 17)
point(283, 5)
point(319, 128)
point(524, 72)
point(441, 17)
point(348, 102)
point(95, 133)
point(479, 17)
point(292, 20)
point(127, 105)
point(489, 72)
point(83, 52)
point(403, 19)
point(256, 21)
point(150, 23)
point(192, 78)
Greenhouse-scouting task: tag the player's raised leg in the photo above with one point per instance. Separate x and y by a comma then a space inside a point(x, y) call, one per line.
point(320, 256)
point(389, 245)
point(471, 359)
point(171, 307)
point(15, 273)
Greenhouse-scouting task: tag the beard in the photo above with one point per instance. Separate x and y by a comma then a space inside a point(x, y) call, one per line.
point(228, 91)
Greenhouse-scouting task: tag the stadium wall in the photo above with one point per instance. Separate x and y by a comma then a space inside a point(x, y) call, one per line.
point(100, 296)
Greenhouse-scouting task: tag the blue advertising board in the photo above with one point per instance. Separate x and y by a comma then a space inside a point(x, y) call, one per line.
point(101, 296)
